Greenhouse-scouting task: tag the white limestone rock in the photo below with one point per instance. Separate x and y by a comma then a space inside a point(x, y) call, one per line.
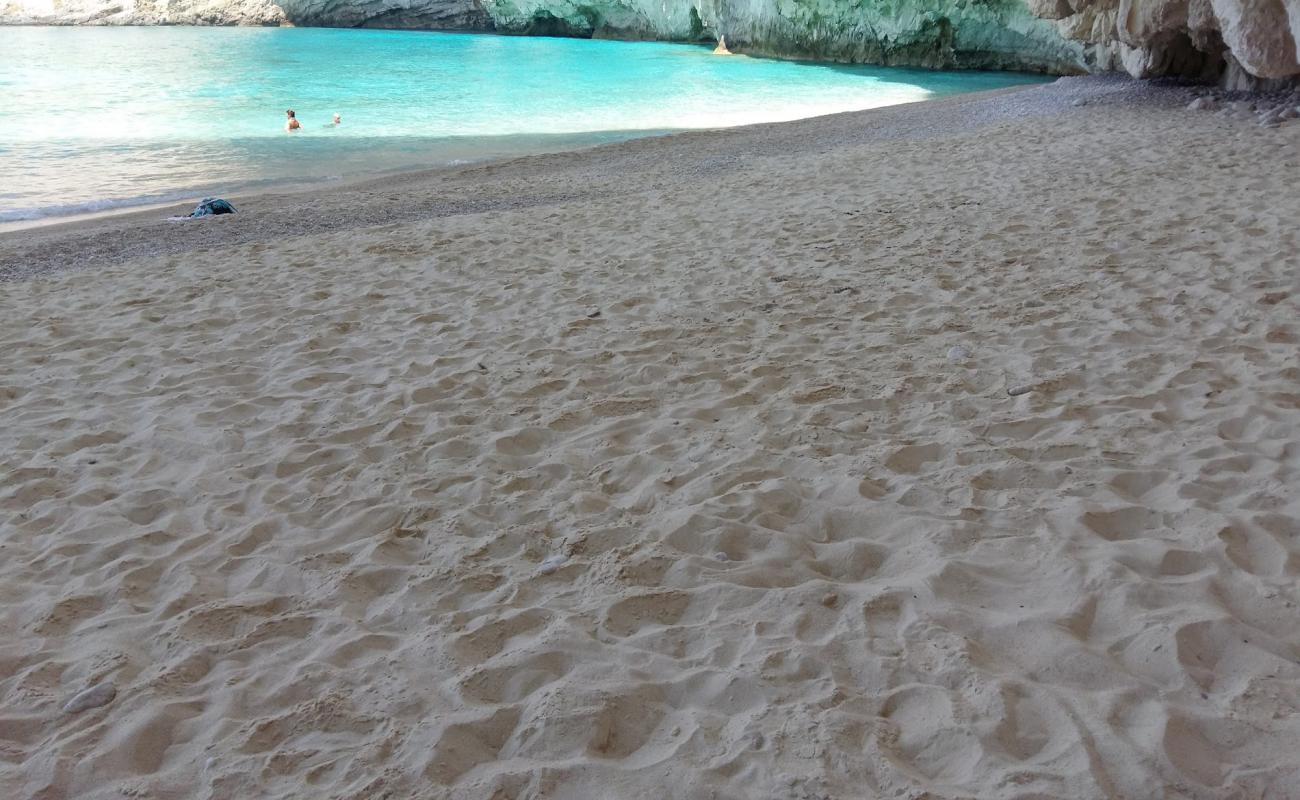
point(445, 14)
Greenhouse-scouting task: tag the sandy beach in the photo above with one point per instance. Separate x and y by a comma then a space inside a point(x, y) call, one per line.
point(940, 451)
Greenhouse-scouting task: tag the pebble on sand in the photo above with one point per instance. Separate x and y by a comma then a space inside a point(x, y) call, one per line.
point(94, 697)
point(551, 563)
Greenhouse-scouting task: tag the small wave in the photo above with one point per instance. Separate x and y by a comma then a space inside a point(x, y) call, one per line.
point(89, 207)
point(192, 194)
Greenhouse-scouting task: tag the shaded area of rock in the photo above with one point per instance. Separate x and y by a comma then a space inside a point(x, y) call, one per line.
point(1243, 44)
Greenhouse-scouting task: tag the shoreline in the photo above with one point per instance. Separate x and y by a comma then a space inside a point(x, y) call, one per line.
point(295, 187)
point(176, 161)
point(21, 245)
point(494, 149)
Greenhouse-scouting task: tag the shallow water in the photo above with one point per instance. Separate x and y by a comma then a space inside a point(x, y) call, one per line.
point(92, 118)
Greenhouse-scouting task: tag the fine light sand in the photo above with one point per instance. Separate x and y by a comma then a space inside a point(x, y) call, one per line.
point(655, 475)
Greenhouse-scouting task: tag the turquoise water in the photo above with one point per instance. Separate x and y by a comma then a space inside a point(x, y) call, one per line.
point(92, 118)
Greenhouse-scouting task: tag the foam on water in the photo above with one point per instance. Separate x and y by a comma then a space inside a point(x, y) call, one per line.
point(94, 118)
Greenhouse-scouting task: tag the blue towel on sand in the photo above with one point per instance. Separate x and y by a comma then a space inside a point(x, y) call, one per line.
point(212, 205)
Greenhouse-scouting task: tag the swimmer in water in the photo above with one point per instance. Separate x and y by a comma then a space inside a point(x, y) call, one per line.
point(291, 123)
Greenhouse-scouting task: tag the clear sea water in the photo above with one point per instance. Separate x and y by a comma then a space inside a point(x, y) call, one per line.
point(94, 118)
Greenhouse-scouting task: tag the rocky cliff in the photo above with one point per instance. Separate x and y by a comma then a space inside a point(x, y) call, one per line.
point(1240, 40)
point(1243, 42)
point(995, 34)
point(426, 14)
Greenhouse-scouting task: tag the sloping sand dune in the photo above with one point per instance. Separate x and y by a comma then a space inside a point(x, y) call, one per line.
point(709, 488)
